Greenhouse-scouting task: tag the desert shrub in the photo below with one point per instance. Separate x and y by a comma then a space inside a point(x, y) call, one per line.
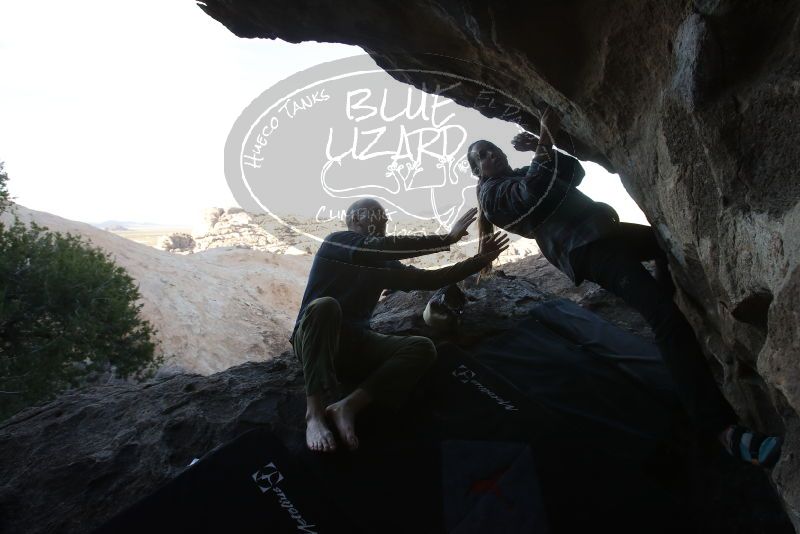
point(177, 242)
point(67, 313)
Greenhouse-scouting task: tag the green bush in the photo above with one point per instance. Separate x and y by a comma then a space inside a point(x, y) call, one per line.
point(67, 313)
point(5, 201)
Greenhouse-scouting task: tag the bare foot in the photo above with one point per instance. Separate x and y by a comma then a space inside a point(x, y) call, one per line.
point(318, 436)
point(344, 417)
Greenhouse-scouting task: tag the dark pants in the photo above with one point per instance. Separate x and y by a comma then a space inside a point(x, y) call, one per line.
point(386, 367)
point(615, 264)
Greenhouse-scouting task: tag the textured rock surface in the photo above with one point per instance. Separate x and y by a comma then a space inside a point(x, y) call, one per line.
point(235, 227)
point(694, 104)
point(69, 465)
point(500, 301)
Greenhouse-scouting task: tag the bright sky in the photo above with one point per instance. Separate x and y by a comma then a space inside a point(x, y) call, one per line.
point(120, 110)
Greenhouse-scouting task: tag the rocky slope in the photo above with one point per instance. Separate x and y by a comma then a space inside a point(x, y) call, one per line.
point(694, 104)
point(229, 294)
point(212, 310)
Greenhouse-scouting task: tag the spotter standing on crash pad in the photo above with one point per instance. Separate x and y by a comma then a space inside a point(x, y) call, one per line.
point(332, 337)
point(585, 240)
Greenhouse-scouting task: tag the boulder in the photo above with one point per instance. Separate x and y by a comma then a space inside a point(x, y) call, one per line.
point(694, 104)
point(70, 465)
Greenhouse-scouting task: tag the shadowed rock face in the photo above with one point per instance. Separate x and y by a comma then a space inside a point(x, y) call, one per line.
point(69, 465)
point(694, 104)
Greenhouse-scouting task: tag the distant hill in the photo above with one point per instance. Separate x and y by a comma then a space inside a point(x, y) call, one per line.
point(116, 226)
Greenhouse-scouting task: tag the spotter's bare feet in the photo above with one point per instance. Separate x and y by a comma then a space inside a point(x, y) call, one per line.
point(319, 438)
point(343, 417)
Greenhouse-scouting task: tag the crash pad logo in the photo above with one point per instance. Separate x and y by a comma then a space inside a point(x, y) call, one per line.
point(467, 376)
point(319, 140)
point(464, 374)
point(267, 479)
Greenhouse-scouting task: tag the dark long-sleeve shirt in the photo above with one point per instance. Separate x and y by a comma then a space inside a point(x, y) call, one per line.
point(354, 269)
point(541, 202)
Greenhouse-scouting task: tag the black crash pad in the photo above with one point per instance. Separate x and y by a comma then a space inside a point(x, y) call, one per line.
point(550, 427)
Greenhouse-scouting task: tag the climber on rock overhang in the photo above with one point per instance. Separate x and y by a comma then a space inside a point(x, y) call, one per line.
point(585, 240)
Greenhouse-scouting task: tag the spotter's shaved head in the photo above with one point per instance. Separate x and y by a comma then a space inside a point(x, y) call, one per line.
point(366, 215)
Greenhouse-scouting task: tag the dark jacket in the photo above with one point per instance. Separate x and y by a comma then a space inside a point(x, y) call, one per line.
point(354, 269)
point(541, 202)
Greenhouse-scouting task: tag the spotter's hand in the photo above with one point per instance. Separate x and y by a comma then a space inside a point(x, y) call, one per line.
point(493, 246)
point(459, 229)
